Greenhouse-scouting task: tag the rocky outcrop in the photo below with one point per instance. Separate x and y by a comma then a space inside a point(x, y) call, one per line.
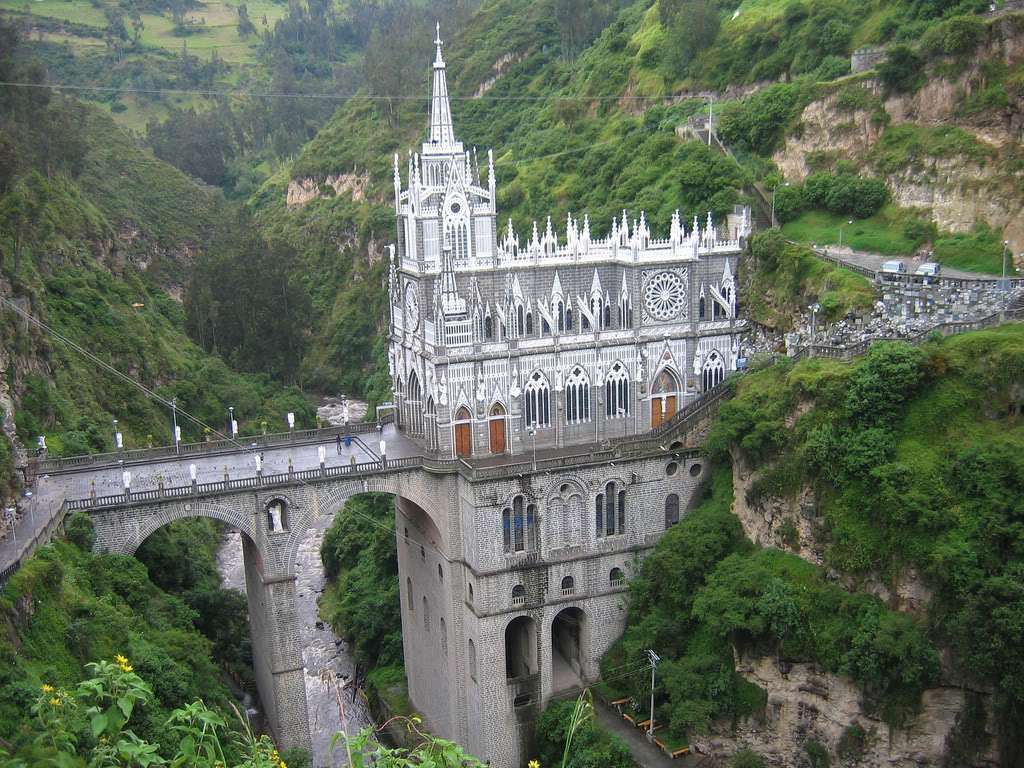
point(807, 705)
point(501, 65)
point(786, 523)
point(302, 191)
point(959, 192)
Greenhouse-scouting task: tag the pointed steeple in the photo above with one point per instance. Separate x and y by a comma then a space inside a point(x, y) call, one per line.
point(441, 132)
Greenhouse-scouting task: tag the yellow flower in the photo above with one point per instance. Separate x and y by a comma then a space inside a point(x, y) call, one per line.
point(47, 688)
point(282, 764)
point(55, 702)
point(121, 660)
point(127, 668)
point(533, 764)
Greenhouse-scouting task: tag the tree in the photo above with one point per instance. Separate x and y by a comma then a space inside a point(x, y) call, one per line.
point(690, 26)
point(902, 71)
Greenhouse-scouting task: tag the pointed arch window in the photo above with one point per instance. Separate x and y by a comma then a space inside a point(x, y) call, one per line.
point(701, 309)
point(488, 328)
point(607, 323)
point(520, 320)
point(426, 614)
point(472, 660)
point(414, 406)
point(616, 392)
point(560, 312)
point(529, 323)
point(408, 594)
point(568, 318)
point(713, 373)
point(577, 396)
point(537, 395)
point(545, 327)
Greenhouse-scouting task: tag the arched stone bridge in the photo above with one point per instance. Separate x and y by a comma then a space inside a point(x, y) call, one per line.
point(493, 623)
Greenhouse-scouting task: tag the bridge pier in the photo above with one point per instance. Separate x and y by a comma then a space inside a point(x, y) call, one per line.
point(276, 653)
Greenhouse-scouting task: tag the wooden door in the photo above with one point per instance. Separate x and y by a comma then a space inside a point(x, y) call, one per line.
point(497, 433)
point(670, 407)
point(463, 440)
point(657, 415)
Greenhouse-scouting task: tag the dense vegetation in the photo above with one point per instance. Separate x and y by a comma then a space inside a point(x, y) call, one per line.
point(95, 233)
point(914, 455)
point(567, 729)
point(783, 278)
point(361, 601)
point(722, 594)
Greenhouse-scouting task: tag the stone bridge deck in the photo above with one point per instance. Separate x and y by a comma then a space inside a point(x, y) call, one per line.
point(96, 482)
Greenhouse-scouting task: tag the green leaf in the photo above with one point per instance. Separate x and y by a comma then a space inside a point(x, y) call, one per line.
point(125, 705)
point(98, 724)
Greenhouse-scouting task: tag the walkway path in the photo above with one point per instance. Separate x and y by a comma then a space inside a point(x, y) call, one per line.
point(874, 261)
point(646, 754)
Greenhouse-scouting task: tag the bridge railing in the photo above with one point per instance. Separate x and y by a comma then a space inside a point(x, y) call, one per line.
point(43, 536)
point(52, 465)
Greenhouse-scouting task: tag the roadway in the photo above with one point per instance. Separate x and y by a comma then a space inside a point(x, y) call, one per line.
point(51, 490)
point(874, 261)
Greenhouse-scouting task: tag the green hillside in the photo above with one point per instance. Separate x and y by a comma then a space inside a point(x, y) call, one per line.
point(98, 238)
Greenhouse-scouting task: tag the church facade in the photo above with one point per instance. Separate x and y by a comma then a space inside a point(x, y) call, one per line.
point(500, 343)
point(515, 585)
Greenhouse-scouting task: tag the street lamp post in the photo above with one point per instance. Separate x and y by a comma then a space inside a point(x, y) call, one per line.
point(815, 308)
point(849, 221)
point(654, 659)
point(174, 421)
point(774, 223)
point(232, 427)
point(118, 437)
point(1006, 248)
point(533, 434)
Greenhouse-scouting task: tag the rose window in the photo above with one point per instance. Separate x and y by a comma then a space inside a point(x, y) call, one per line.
point(664, 296)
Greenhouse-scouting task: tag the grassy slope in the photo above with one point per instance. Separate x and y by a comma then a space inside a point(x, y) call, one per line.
point(106, 241)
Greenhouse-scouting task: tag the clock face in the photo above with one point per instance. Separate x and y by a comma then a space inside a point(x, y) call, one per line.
point(412, 307)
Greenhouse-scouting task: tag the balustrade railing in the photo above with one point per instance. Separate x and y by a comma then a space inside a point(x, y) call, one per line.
point(207, 448)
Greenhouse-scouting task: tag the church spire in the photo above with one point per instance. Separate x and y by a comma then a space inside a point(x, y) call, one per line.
point(441, 132)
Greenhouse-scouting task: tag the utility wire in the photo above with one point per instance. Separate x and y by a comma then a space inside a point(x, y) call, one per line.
point(167, 403)
point(325, 96)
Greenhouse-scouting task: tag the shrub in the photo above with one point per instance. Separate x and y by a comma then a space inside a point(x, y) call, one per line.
point(747, 758)
point(79, 531)
point(902, 71)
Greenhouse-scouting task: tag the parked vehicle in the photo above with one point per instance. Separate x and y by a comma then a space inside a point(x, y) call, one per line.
point(895, 267)
point(929, 268)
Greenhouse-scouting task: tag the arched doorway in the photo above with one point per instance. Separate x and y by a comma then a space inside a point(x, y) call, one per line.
point(567, 650)
point(664, 397)
point(496, 428)
point(520, 648)
point(463, 432)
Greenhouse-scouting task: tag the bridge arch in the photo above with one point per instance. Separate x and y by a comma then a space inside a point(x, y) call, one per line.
point(115, 542)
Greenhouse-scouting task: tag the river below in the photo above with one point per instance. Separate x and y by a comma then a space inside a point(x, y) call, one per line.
point(322, 651)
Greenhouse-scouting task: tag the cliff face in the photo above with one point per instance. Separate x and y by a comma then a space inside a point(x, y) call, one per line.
point(959, 189)
point(807, 707)
point(807, 704)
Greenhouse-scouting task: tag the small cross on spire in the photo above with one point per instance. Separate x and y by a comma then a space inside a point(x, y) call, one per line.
point(437, 40)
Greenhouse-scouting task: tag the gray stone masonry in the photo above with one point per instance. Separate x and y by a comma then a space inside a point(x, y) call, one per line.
point(497, 617)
